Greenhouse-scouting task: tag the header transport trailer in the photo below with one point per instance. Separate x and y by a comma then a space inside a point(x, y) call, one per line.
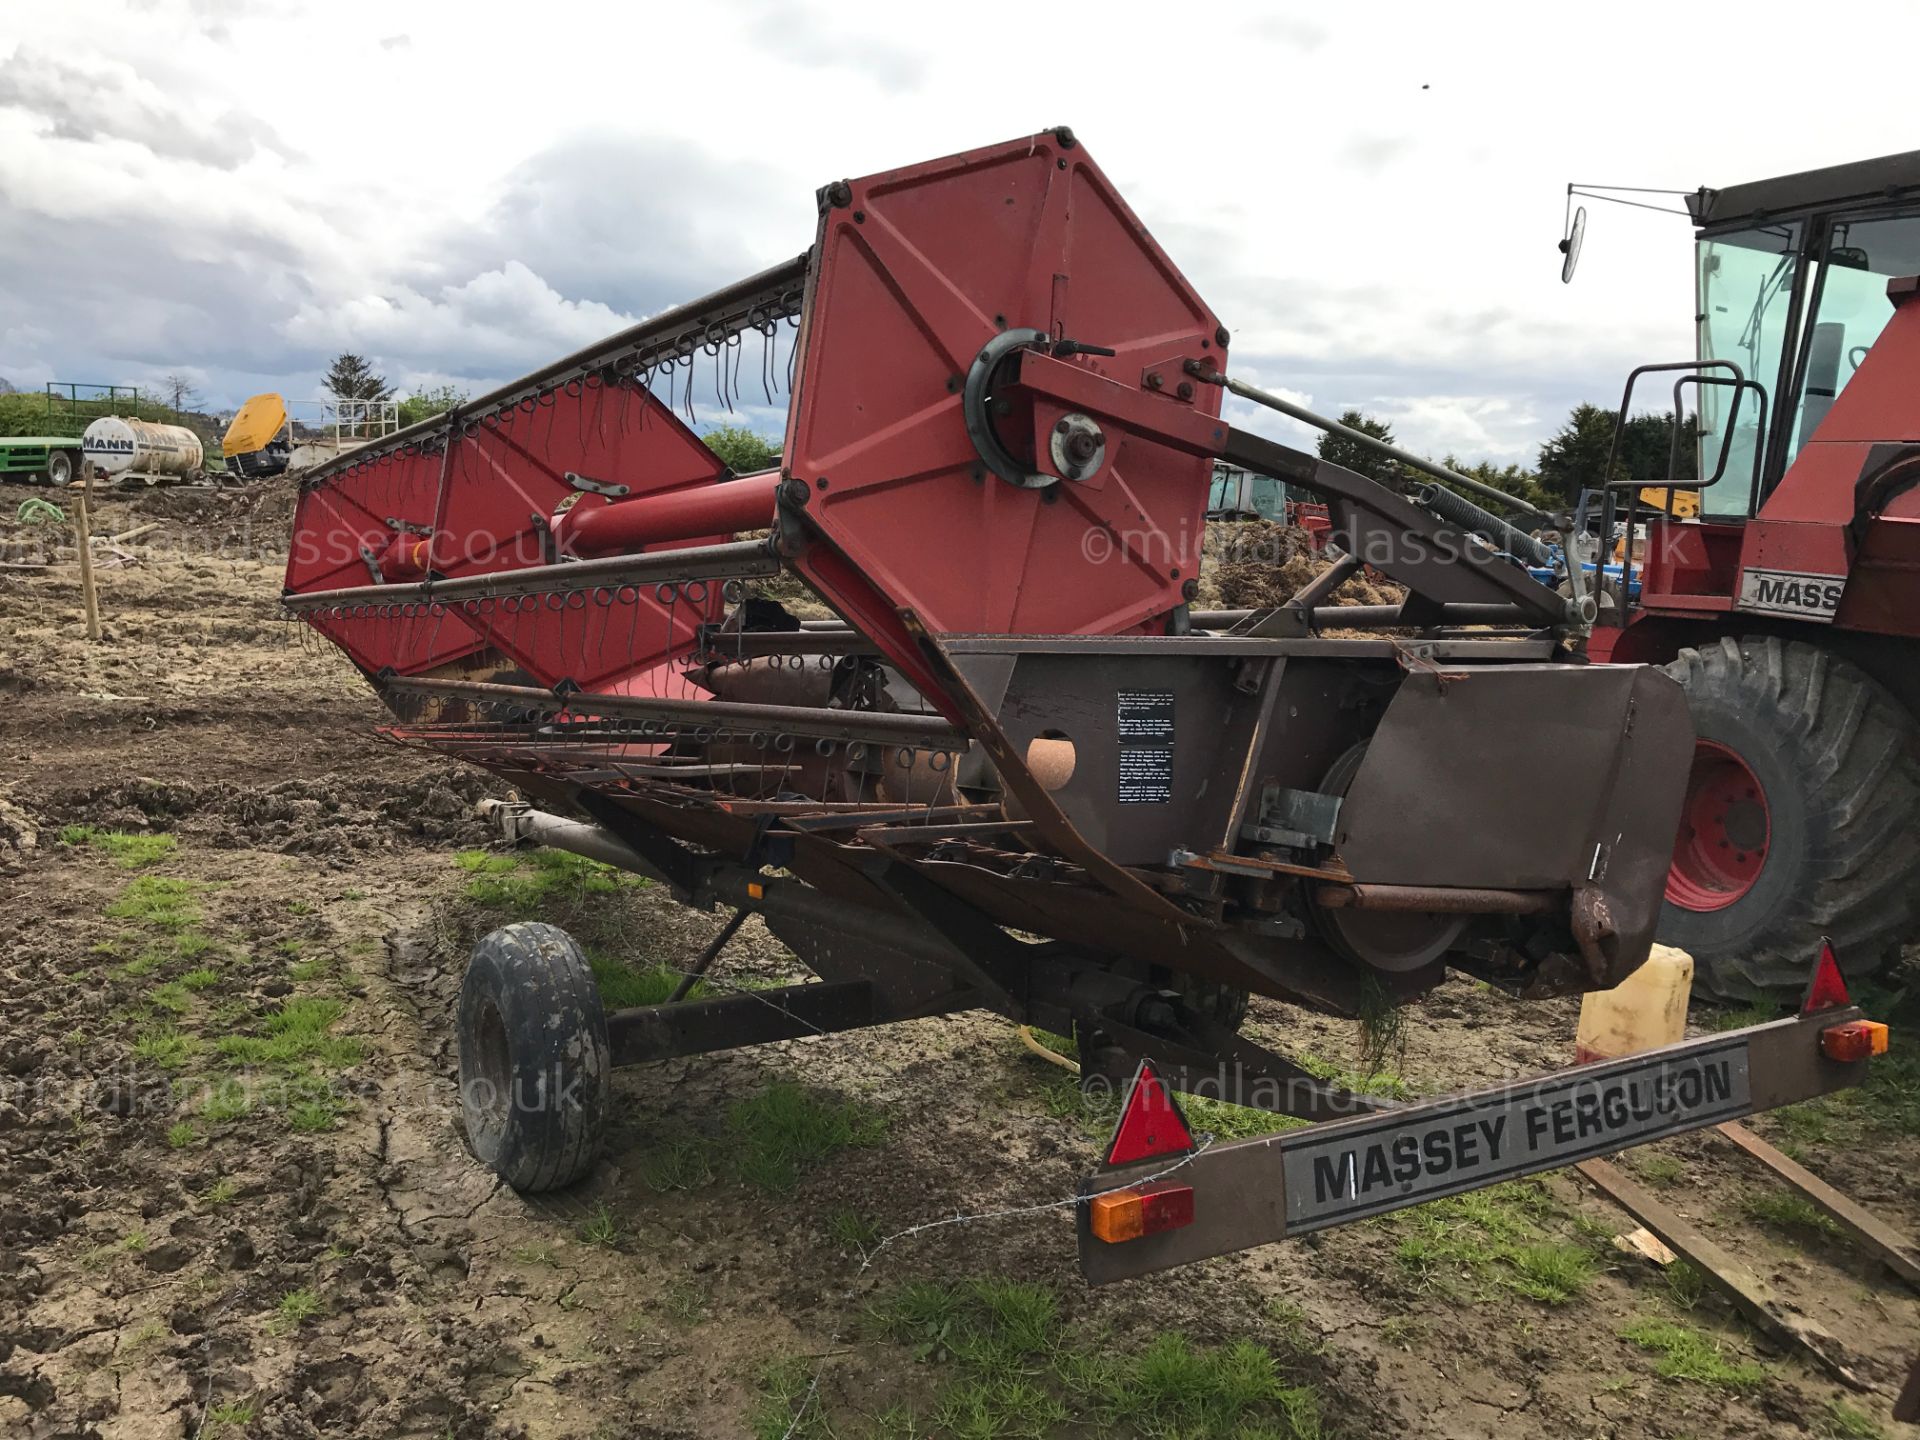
point(1018, 771)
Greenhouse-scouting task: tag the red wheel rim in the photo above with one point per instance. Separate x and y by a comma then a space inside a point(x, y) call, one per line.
point(1725, 829)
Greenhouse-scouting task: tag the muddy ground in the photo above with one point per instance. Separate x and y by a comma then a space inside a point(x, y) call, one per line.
point(234, 1197)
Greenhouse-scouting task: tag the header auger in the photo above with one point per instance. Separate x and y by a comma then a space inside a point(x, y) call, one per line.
point(1004, 409)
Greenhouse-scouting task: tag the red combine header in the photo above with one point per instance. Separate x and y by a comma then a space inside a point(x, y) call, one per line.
point(1004, 414)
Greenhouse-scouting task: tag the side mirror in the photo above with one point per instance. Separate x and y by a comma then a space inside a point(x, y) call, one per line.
point(1570, 247)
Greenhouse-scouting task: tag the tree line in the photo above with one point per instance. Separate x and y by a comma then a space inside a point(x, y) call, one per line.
point(1571, 460)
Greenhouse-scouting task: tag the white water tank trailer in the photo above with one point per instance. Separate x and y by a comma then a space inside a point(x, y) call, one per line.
point(115, 444)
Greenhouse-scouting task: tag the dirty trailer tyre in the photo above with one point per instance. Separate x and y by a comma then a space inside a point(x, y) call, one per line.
point(534, 1058)
point(61, 467)
point(1802, 818)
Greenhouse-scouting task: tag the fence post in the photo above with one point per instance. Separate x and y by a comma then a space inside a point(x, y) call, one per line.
point(83, 527)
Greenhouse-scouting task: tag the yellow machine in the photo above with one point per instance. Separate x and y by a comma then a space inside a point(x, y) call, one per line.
point(259, 441)
point(1686, 503)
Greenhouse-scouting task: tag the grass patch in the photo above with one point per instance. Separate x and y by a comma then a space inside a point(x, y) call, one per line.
point(1064, 1099)
point(1759, 1012)
point(1493, 1239)
point(181, 1135)
point(1686, 1286)
point(316, 1114)
point(1843, 1422)
point(622, 986)
point(226, 1418)
point(787, 1129)
point(1686, 1354)
point(1786, 1210)
point(680, 1164)
point(171, 997)
point(1660, 1168)
point(131, 850)
point(529, 881)
point(852, 1229)
point(226, 1100)
point(600, 1228)
point(222, 1192)
point(299, 1033)
point(294, 1309)
point(786, 1387)
point(1019, 1372)
point(157, 903)
point(165, 1047)
point(306, 970)
point(201, 979)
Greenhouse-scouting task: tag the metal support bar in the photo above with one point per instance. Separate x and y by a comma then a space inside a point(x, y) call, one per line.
point(743, 559)
point(1373, 442)
point(918, 732)
point(699, 1027)
point(706, 958)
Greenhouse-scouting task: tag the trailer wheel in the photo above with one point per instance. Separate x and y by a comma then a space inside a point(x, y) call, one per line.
point(61, 467)
point(1802, 817)
point(534, 1060)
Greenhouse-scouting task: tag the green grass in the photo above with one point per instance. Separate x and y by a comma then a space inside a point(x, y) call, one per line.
point(1760, 1012)
point(1658, 1167)
point(528, 882)
point(181, 1135)
point(201, 979)
point(601, 1228)
point(129, 850)
point(1686, 1354)
point(1096, 1113)
point(1686, 1286)
point(226, 1100)
point(166, 1047)
point(683, 1163)
point(314, 1115)
point(785, 1386)
point(1786, 1210)
point(307, 970)
point(158, 903)
point(171, 997)
point(298, 1034)
point(622, 986)
point(852, 1229)
point(294, 1309)
point(1020, 1370)
point(786, 1130)
point(1493, 1239)
point(1843, 1422)
point(232, 1416)
point(222, 1192)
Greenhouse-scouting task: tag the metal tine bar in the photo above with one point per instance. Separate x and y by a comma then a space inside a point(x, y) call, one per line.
point(740, 560)
point(873, 727)
point(777, 291)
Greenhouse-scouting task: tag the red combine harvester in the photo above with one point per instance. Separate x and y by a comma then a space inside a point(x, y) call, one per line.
point(1004, 410)
point(1790, 610)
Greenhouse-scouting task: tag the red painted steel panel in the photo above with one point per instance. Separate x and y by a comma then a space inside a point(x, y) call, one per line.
point(914, 274)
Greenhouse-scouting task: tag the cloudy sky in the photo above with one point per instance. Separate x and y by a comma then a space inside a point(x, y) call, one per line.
point(1369, 194)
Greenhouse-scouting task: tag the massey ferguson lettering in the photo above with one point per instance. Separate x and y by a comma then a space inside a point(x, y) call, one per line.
point(1438, 1150)
point(1788, 592)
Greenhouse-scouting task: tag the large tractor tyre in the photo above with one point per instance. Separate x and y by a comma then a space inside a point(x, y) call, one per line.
point(535, 1065)
point(63, 467)
point(1801, 820)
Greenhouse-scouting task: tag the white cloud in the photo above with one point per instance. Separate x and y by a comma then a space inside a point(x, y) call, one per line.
point(1368, 194)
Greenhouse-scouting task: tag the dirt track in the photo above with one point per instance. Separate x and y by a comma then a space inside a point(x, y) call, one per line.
point(237, 1200)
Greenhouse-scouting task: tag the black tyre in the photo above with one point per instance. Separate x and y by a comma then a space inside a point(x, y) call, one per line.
point(1802, 818)
point(535, 1065)
point(63, 467)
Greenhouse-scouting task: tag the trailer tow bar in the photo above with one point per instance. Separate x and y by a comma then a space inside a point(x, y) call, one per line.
point(1163, 1201)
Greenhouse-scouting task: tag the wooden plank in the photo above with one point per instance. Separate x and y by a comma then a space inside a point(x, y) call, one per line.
point(1746, 1291)
point(1886, 1244)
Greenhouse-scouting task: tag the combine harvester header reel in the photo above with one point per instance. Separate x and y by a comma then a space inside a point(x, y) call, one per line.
point(1004, 407)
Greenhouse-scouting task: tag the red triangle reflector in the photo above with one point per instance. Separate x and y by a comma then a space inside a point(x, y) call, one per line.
point(1829, 988)
point(1150, 1123)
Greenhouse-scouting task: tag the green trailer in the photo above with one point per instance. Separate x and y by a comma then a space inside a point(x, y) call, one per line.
point(46, 459)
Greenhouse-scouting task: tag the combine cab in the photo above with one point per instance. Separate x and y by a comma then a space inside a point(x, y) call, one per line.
point(1018, 771)
point(1790, 608)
